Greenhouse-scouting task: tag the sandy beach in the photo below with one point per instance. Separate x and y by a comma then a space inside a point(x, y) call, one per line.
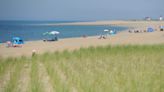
point(122, 38)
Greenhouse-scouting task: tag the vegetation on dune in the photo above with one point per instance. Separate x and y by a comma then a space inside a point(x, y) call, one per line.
point(95, 69)
point(35, 80)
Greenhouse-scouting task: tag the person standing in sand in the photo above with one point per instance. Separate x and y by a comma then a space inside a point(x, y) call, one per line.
point(33, 52)
point(8, 44)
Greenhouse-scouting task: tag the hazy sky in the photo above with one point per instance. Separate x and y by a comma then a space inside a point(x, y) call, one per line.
point(80, 9)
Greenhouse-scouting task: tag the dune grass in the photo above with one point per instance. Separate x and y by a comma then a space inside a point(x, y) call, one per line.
point(98, 69)
point(36, 85)
point(15, 69)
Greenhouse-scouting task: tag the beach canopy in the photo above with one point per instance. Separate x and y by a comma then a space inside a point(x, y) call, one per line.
point(150, 29)
point(17, 40)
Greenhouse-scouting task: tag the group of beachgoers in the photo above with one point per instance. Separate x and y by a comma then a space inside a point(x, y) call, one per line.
point(12, 44)
point(51, 40)
point(137, 31)
point(107, 32)
point(18, 42)
point(144, 31)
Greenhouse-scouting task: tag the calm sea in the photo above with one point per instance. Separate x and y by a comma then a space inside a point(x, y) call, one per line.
point(33, 30)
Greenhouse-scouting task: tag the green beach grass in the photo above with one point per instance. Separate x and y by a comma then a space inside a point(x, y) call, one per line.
point(94, 69)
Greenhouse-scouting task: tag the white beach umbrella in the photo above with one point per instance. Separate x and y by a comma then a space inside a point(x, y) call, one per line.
point(106, 30)
point(54, 32)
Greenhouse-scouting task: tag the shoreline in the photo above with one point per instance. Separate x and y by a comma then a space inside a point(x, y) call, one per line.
point(72, 31)
point(122, 38)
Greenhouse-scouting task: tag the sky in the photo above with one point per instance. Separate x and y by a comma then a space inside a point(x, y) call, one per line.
point(80, 9)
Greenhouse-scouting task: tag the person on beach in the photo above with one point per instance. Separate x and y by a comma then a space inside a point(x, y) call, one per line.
point(102, 36)
point(130, 31)
point(33, 52)
point(8, 44)
point(84, 36)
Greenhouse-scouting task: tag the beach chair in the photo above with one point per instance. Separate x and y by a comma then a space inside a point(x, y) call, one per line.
point(102, 37)
point(50, 40)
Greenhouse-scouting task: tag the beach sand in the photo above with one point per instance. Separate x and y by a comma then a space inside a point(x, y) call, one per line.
point(122, 38)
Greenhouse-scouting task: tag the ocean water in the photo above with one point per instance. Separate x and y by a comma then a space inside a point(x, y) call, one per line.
point(33, 30)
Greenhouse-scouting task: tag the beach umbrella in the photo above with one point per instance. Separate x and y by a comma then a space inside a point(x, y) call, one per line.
point(51, 33)
point(54, 32)
point(106, 30)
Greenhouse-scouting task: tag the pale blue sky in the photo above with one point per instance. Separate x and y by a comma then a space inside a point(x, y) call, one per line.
point(80, 9)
